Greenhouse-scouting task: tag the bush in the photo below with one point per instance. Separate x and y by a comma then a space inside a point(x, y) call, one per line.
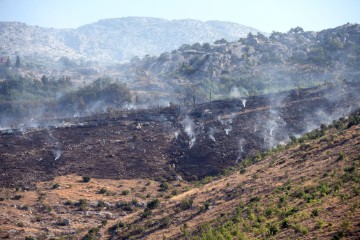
point(125, 192)
point(285, 223)
point(153, 204)
point(86, 179)
point(103, 191)
point(273, 230)
point(315, 212)
point(353, 120)
point(92, 234)
point(165, 221)
point(338, 235)
point(301, 229)
point(147, 212)
point(17, 197)
point(30, 238)
point(164, 186)
point(206, 205)
point(254, 199)
point(342, 156)
point(186, 203)
point(82, 204)
point(125, 206)
point(103, 223)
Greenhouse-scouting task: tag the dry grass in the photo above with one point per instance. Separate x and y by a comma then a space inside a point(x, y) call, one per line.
point(279, 174)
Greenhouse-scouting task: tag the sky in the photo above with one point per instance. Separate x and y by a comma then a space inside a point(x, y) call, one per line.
point(264, 15)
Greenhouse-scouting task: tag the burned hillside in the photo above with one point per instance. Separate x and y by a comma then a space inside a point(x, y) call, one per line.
point(169, 142)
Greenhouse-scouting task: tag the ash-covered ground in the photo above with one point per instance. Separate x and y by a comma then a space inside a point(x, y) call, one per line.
point(190, 142)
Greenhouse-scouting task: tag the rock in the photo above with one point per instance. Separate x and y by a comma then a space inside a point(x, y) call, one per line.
point(108, 215)
point(66, 222)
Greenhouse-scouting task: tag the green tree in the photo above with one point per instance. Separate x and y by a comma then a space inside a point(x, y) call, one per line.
point(17, 63)
point(8, 62)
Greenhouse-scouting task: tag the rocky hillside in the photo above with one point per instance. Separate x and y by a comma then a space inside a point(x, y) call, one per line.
point(112, 40)
point(256, 63)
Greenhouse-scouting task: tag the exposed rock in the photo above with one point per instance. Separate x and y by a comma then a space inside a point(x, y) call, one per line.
point(66, 222)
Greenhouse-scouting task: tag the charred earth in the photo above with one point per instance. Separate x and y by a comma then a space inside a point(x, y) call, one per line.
point(172, 142)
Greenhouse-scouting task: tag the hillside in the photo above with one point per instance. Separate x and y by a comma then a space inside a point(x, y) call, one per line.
point(306, 189)
point(191, 142)
point(112, 40)
point(254, 64)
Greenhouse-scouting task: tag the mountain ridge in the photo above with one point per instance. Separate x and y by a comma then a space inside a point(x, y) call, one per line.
point(115, 39)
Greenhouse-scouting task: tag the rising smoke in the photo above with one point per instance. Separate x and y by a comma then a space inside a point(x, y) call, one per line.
point(57, 152)
point(189, 129)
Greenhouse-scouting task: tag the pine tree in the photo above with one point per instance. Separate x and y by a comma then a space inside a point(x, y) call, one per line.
point(8, 63)
point(17, 63)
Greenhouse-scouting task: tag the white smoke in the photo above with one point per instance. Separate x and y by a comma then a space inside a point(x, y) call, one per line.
point(227, 123)
point(241, 143)
point(273, 130)
point(211, 133)
point(243, 101)
point(189, 129)
point(176, 134)
point(228, 130)
point(236, 92)
point(57, 146)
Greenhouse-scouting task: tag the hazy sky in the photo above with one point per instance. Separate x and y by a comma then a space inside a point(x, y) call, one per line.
point(265, 15)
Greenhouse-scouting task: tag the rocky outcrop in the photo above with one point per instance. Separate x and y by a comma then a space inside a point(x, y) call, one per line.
point(258, 63)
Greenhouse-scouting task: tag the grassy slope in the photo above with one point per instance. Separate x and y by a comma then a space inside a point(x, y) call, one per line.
point(308, 190)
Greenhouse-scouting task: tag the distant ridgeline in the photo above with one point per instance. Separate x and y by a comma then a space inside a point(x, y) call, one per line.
point(112, 40)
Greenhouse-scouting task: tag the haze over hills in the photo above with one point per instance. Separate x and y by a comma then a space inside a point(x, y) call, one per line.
point(204, 132)
point(113, 40)
point(255, 63)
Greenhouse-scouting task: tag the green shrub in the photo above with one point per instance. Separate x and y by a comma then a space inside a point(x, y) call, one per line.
point(147, 212)
point(103, 190)
point(86, 179)
point(164, 186)
point(165, 221)
point(338, 235)
point(174, 192)
point(125, 192)
point(206, 205)
point(301, 229)
point(93, 234)
point(285, 223)
point(82, 204)
point(30, 238)
point(342, 156)
point(273, 230)
point(153, 204)
point(324, 189)
point(255, 199)
point(186, 203)
point(103, 223)
point(17, 197)
point(315, 212)
point(125, 206)
point(101, 204)
point(320, 224)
